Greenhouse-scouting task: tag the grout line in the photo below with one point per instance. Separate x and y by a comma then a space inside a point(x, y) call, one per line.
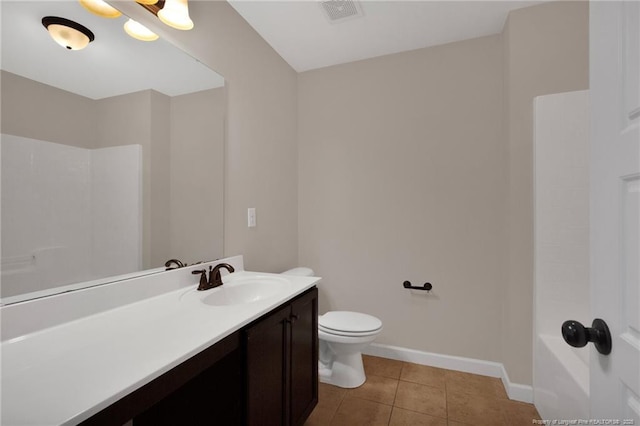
point(422, 413)
point(446, 399)
point(344, 395)
point(422, 384)
point(395, 395)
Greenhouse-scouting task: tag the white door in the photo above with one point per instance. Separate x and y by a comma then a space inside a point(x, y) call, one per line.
point(615, 206)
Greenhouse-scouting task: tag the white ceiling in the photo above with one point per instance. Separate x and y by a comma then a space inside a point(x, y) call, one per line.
point(302, 34)
point(113, 64)
point(298, 30)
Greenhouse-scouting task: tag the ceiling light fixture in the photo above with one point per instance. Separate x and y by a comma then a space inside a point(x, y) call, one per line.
point(175, 13)
point(67, 33)
point(100, 8)
point(139, 31)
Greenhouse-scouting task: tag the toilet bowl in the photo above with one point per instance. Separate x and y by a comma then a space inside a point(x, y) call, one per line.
point(342, 335)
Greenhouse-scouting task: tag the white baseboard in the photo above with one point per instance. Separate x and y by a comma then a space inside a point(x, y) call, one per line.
point(516, 392)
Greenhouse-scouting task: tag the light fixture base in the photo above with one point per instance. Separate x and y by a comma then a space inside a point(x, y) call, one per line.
point(68, 33)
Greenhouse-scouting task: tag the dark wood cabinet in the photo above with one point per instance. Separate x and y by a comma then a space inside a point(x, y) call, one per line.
point(214, 397)
point(304, 357)
point(281, 352)
point(264, 374)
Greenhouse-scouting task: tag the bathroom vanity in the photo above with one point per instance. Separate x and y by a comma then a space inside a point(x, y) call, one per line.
point(242, 353)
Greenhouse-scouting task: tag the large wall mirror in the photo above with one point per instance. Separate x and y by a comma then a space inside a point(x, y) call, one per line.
point(112, 157)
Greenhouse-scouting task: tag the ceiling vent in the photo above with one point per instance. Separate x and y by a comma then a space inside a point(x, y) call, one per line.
point(341, 10)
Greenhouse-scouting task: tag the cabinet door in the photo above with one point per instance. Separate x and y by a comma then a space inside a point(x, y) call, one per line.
point(267, 347)
point(304, 356)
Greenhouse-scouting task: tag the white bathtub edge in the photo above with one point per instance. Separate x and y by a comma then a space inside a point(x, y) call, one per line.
point(515, 391)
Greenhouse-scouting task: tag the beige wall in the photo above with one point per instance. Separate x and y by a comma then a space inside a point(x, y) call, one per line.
point(402, 177)
point(261, 152)
point(545, 51)
point(59, 116)
point(160, 196)
point(419, 166)
point(197, 161)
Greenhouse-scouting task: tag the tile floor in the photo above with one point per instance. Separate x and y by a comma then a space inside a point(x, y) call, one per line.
point(401, 393)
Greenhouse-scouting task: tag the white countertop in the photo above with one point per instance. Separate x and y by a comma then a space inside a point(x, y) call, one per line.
point(67, 373)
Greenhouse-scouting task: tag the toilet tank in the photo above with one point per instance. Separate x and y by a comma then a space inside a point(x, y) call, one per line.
point(300, 272)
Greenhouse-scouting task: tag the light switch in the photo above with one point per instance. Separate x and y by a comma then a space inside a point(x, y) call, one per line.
point(251, 217)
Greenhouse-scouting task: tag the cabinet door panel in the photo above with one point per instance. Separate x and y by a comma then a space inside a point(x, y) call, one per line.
point(304, 356)
point(266, 348)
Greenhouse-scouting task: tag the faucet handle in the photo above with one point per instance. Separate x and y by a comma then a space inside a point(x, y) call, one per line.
point(203, 278)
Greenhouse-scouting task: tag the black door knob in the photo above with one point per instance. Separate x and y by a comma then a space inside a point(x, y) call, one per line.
point(577, 335)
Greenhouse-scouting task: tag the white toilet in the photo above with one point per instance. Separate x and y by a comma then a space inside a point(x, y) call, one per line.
point(343, 335)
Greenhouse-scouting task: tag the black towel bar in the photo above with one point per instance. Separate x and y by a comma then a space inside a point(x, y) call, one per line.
point(426, 286)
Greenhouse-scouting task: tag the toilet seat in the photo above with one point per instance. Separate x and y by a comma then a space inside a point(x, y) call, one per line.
point(346, 323)
point(348, 333)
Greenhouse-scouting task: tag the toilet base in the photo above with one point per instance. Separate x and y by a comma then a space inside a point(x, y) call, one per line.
point(346, 371)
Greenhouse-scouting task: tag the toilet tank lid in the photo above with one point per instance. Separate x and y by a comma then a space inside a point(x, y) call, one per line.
point(349, 321)
point(301, 272)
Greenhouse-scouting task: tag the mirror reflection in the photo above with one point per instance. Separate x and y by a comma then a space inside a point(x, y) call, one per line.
point(111, 156)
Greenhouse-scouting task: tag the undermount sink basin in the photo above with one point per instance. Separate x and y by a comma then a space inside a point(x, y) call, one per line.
point(241, 290)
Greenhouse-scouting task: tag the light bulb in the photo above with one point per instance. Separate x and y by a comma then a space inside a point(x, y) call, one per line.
point(100, 8)
point(175, 13)
point(139, 31)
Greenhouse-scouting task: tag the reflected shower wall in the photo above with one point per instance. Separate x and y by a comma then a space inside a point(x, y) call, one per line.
point(61, 213)
point(561, 168)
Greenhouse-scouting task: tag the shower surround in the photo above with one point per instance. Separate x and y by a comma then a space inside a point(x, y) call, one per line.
point(68, 214)
point(560, 372)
